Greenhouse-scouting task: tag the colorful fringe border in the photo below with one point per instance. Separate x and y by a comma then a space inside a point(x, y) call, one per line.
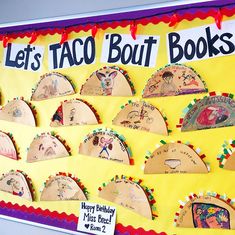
point(193, 102)
point(167, 15)
point(194, 196)
point(147, 191)
point(162, 142)
point(227, 150)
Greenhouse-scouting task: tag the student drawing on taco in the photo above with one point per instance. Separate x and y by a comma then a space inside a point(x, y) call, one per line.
point(168, 87)
point(212, 115)
point(15, 185)
point(210, 216)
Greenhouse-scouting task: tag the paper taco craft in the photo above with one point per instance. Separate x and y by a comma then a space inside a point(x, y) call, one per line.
point(47, 146)
point(106, 144)
point(131, 194)
point(175, 157)
point(213, 111)
point(209, 210)
point(227, 157)
point(8, 146)
point(172, 80)
point(108, 81)
point(75, 112)
point(52, 85)
point(63, 187)
point(19, 111)
point(143, 116)
point(17, 183)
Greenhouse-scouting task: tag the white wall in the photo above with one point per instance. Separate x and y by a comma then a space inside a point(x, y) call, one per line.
point(15, 12)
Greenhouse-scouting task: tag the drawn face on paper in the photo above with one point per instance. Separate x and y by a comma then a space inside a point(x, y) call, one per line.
point(167, 77)
point(210, 216)
point(107, 80)
point(212, 115)
point(47, 150)
point(16, 188)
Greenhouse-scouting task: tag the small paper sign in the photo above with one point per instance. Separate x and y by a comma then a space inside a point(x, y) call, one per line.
point(96, 219)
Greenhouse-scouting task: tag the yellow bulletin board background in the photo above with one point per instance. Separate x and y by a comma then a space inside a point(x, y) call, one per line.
point(218, 73)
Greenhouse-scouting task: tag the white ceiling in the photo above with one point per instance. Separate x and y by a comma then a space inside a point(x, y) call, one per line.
point(18, 12)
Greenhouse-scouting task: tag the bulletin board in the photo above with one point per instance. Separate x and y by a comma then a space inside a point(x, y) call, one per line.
point(217, 72)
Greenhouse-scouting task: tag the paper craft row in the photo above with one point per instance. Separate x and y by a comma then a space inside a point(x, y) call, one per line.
point(175, 79)
point(174, 157)
point(213, 111)
point(209, 210)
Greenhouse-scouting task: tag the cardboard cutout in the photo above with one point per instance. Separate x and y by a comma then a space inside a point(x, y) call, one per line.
point(175, 79)
point(108, 81)
point(18, 111)
point(174, 158)
point(106, 144)
point(63, 187)
point(52, 85)
point(46, 147)
point(74, 112)
point(210, 112)
point(17, 183)
point(209, 211)
point(227, 158)
point(141, 116)
point(7, 146)
point(129, 194)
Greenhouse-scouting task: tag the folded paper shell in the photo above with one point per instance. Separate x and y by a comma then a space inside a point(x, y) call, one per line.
point(206, 212)
point(106, 145)
point(141, 116)
point(18, 111)
point(174, 80)
point(209, 112)
point(128, 194)
point(7, 147)
point(74, 112)
point(16, 183)
point(52, 85)
point(46, 147)
point(62, 187)
point(108, 81)
point(174, 158)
